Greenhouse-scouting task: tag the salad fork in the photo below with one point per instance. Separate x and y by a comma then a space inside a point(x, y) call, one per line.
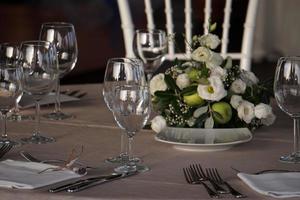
point(199, 173)
point(191, 179)
point(4, 149)
point(214, 174)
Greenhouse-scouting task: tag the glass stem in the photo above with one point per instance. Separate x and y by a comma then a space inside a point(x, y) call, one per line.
point(37, 118)
point(57, 96)
point(149, 76)
point(130, 152)
point(4, 133)
point(16, 110)
point(296, 136)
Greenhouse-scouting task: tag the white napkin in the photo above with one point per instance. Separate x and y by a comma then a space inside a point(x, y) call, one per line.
point(24, 175)
point(278, 185)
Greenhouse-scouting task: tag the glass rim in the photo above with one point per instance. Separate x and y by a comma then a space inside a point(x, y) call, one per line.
point(125, 60)
point(57, 24)
point(289, 58)
point(155, 31)
point(36, 43)
point(132, 85)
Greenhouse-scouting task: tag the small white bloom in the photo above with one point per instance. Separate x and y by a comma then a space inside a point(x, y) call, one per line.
point(218, 71)
point(203, 54)
point(268, 120)
point(191, 121)
point(214, 91)
point(209, 40)
point(215, 60)
point(262, 110)
point(238, 86)
point(157, 83)
point(235, 101)
point(158, 123)
point(246, 111)
point(182, 81)
point(249, 78)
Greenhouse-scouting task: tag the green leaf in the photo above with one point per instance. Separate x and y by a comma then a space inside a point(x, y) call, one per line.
point(200, 111)
point(200, 120)
point(164, 94)
point(213, 27)
point(209, 122)
point(189, 90)
point(171, 83)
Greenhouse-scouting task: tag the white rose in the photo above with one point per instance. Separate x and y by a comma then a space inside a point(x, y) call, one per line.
point(157, 83)
point(235, 101)
point(238, 86)
point(218, 71)
point(182, 81)
point(203, 54)
point(209, 40)
point(214, 91)
point(158, 123)
point(268, 120)
point(246, 111)
point(249, 78)
point(262, 110)
point(215, 60)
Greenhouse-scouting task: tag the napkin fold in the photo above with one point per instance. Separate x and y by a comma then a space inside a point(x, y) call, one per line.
point(278, 185)
point(25, 175)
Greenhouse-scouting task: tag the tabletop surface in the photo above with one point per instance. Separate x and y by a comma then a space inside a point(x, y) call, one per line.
point(94, 128)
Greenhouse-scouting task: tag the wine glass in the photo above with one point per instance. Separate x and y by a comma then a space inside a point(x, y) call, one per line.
point(150, 46)
point(62, 36)
point(120, 71)
point(10, 87)
point(287, 95)
point(38, 62)
point(131, 110)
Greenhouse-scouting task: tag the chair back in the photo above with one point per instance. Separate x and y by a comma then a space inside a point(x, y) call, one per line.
point(247, 39)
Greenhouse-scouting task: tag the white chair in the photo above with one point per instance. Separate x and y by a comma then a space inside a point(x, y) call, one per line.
point(246, 50)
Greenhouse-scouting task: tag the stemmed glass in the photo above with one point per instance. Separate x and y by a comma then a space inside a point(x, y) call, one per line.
point(38, 62)
point(10, 87)
point(121, 71)
point(62, 36)
point(131, 110)
point(150, 46)
point(287, 94)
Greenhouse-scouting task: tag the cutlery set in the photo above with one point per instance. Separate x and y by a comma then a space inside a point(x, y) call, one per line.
point(195, 174)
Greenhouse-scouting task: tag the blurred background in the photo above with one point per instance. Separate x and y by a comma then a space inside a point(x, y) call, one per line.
point(99, 35)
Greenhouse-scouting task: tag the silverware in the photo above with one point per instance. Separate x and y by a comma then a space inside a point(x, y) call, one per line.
point(191, 179)
point(268, 171)
point(214, 174)
point(4, 149)
point(198, 171)
point(88, 184)
point(68, 185)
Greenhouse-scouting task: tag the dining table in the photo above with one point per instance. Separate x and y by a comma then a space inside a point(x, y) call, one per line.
point(94, 128)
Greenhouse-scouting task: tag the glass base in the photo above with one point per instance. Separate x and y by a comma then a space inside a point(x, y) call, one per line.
point(293, 158)
point(10, 142)
point(58, 116)
point(127, 168)
point(19, 117)
point(118, 159)
point(38, 139)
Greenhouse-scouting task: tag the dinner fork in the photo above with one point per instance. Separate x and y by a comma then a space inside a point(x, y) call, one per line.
point(214, 174)
point(190, 178)
point(4, 149)
point(199, 173)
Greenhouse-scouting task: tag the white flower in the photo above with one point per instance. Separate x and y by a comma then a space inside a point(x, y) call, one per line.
point(218, 71)
point(238, 86)
point(182, 81)
point(249, 78)
point(214, 91)
point(157, 83)
point(158, 123)
point(246, 111)
point(262, 110)
point(268, 120)
point(235, 101)
point(203, 54)
point(209, 40)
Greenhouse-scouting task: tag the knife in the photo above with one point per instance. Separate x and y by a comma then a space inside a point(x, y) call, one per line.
point(86, 185)
point(66, 186)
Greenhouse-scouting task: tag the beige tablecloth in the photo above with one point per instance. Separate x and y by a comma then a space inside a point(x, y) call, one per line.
point(94, 128)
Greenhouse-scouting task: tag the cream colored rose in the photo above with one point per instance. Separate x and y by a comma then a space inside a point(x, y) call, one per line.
point(269, 120)
point(203, 54)
point(157, 83)
point(218, 71)
point(235, 101)
point(158, 123)
point(246, 111)
point(262, 110)
point(209, 40)
point(238, 86)
point(182, 81)
point(249, 78)
point(214, 91)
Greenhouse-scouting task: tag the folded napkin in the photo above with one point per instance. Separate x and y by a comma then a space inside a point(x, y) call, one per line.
point(25, 175)
point(278, 185)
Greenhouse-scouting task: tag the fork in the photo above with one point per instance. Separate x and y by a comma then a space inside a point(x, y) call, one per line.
point(191, 179)
point(214, 175)
point(203, 177)
point(4, 149)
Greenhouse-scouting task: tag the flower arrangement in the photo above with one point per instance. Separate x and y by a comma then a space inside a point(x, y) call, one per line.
point(208, 91)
